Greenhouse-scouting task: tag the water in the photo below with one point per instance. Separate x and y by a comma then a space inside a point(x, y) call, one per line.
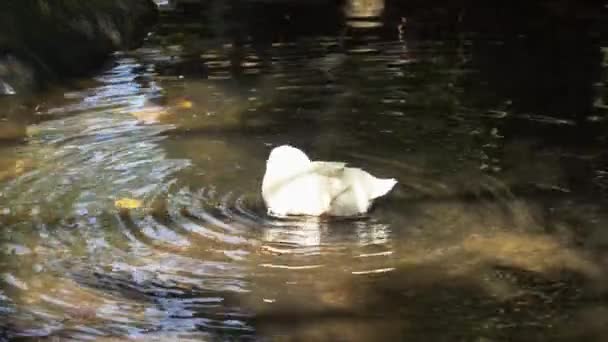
point(130, 202)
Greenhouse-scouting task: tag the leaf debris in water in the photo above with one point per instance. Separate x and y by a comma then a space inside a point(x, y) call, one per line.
point(127, 203)
point(185, 104)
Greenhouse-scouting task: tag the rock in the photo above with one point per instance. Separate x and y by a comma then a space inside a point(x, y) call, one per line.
point(6, 89)
point(43, 41)
point(14, 74)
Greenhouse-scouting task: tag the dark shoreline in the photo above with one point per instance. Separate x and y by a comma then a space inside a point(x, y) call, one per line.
point(45, 42)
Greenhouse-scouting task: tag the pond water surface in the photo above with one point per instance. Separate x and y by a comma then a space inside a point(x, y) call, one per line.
point(130, 202)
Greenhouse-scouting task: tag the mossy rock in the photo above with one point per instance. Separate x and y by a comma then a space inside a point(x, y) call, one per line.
point(65, 38)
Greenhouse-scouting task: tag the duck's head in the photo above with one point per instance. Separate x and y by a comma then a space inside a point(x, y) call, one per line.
point(285, 160)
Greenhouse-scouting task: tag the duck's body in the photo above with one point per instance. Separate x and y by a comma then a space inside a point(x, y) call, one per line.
point(294, 185)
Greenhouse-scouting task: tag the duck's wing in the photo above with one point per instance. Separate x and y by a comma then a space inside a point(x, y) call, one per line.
point(347, 187)
point(332, 177)
point(328, 169)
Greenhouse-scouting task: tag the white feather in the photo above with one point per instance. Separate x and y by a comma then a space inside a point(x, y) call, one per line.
point(295, 185)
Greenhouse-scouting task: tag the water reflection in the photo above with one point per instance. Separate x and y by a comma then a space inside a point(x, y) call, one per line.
point(305, 234)
point(364, 13)
point(495, 231)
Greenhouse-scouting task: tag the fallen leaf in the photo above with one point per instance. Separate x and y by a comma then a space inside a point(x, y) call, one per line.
point(185, 104)
point(150, 115)
point(127, 203)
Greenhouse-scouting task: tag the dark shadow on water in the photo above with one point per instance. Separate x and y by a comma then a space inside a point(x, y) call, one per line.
point(423, 303)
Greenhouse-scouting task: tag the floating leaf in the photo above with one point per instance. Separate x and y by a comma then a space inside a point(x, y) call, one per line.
point(185, 104)
point(19, 166)
point(150, 114)
point(127, 203)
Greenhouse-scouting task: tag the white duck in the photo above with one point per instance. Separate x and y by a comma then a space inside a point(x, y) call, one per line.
point(295, 185)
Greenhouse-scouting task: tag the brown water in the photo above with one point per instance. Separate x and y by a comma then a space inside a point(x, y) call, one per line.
point(496, 231)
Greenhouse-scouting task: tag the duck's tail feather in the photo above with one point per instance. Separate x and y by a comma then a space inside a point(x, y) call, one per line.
point(382, 186)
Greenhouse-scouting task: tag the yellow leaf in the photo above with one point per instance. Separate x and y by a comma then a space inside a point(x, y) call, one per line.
point(185, 104)
point(127, 203)
point(19, 166)
point(150, 114)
